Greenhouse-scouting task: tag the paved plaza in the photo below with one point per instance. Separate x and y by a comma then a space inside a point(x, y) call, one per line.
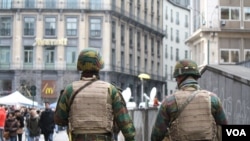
point(60, 136)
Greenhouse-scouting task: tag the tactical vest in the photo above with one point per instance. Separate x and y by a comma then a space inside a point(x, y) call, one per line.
point(196, 121)
point(91, 109)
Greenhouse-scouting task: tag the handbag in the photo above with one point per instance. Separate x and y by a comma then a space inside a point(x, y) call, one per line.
point(6, 134)
point(19, 131)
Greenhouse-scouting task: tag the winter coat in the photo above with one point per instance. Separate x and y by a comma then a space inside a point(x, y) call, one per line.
point(11, 125)
point(33, 126)
point(46, 122)
point(2, 117)
point(20, 119)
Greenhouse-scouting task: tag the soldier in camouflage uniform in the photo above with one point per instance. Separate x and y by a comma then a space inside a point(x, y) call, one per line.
point(93, 110)
point(199, 119)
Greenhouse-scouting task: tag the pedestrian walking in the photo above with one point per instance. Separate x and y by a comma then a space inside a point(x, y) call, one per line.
point(33, 126)
point(90, 106)
point(11, 126)
point(2, 121)
point(20, 119)
point(46, 122)
point(190, 113)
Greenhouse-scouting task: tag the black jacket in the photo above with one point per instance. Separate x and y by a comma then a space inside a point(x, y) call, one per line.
point(46, 122)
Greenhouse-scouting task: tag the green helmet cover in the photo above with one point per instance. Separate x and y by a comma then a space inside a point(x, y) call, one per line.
point(90, 59)
point(186, 67)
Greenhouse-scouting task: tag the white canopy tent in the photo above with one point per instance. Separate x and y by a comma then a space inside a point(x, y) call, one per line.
point(17, 98)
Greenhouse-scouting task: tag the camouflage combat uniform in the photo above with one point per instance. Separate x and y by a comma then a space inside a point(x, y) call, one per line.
point(169, 107)
point(120, 112)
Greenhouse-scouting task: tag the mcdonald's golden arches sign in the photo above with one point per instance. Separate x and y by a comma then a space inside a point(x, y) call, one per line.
point(48, 88)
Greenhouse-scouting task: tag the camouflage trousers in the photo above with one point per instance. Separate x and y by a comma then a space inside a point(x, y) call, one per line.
point(91, 137)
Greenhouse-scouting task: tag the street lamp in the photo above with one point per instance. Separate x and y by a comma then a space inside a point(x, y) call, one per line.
point(143, 76)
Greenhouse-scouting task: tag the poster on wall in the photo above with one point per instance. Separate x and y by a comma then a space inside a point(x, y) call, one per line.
point(48, 89)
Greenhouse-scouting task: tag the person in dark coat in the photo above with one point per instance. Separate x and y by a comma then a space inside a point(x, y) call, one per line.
point(20, 120)
point(46, 123)
point(11, 126)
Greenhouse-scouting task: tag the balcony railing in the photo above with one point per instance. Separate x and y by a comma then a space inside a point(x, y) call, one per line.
point(38, 66)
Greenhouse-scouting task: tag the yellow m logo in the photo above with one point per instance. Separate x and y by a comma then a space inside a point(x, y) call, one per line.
point(49, 91)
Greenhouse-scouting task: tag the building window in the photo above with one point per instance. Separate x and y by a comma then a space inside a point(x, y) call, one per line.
point(4, 55)
point(6, 4)
point(145, 15)
point(146, 65)
point(146, 43)
point(152, 46)
point(186, 54)
point(5, 26)
point(247, 54)
point(29, 27)
point(29, 4)
point(138, 41)
point(6, 87)
point(158, 49)
point(171, 53)
point(50, 4)
point(71, 27)
point(166, 32)
point(152, 19)
point(122, 61)
point(122, 6)
point(166, 71)
point(49, 55)
point(158, 69)
point(166, 15)
point(229, 56)
point(71, 55)
point(50, 26)
point(113, 30)
point(95, 27)
point(131, 11)
point(138, 63)
point(177, 39)
point(171, 16)
point(166, 51)
point(171, 73)
point(138, 9)
point(131, 63)
point(177, 55)
point(96, 4)
point(230, 13)
point(171, 34)
point(72, 4)
point(131, 37)
point(186, 21)
point(177, 18)
point(247, 13)
point(113, 58)
point(28, 54)
point(122, 34)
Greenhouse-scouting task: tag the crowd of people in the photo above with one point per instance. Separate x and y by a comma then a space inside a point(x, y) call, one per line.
point(23, 123)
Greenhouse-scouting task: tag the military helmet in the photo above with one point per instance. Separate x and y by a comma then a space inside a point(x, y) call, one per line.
point(89, 59)
point(186, 67)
